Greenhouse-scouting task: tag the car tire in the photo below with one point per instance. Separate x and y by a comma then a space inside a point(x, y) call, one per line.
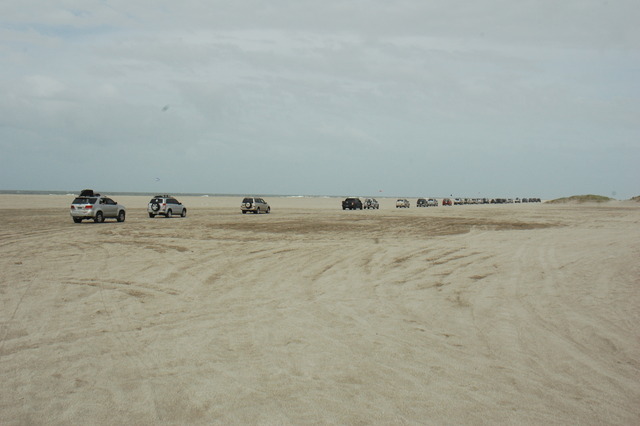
point(244, 212)
point(121, 216)
point(152, 215)
point(268, 210)
point(99, 218)
point(169, 213)
point(77, 219)
point(155, 207)
point(257, 211)
point(184, 213)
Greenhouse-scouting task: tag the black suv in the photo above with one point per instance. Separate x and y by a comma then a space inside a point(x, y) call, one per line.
point(352, 203)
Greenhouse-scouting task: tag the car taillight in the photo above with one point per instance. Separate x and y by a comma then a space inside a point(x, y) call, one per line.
point(88, 206)
point(164, 204)
point(72, 208)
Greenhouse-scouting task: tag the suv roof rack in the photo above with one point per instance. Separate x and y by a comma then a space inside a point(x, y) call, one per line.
point(88, 193)
point(162, 196)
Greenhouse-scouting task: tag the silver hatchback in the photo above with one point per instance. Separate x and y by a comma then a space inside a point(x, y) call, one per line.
point(255, 205)
point(165, 205)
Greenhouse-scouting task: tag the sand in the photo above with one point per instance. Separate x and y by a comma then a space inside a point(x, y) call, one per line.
point(510, 314)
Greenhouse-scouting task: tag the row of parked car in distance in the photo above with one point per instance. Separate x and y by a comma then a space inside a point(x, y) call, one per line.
point(422, 202)
point(465, 201)
point(90, 205)
point(355, 203)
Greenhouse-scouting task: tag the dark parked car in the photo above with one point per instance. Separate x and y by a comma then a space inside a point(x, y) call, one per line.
point(352, 203)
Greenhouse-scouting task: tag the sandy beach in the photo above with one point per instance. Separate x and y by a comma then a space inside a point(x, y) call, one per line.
point(489, 314)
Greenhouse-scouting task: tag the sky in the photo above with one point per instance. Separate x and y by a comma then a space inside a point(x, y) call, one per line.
point(468, 98)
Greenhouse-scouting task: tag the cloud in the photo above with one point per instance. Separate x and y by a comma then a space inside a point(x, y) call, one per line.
point(407, 88)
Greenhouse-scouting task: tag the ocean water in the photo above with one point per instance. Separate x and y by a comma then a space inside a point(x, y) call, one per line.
point(176, 194)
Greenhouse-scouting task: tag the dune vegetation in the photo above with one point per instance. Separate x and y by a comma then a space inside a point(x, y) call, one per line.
point(589, 198)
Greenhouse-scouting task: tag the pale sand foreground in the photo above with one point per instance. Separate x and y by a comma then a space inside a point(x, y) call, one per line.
point(517, 314)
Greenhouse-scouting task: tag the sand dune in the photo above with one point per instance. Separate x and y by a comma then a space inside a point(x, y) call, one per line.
point(519, 314)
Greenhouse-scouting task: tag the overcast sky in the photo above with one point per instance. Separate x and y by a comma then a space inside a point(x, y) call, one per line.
point(411, 97)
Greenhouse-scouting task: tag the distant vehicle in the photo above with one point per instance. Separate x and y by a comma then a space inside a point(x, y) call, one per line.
point(255, 205)
point(423, 202)
point(352, 203)
point(90, 205)
point(447, 202)
point(371, 203)
point(402, 203)
point(457, 202)
point(165, 205)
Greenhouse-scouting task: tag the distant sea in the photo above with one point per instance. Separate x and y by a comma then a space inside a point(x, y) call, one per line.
point(177, 194)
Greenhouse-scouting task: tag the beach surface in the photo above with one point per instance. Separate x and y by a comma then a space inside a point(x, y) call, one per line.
point(489, 314)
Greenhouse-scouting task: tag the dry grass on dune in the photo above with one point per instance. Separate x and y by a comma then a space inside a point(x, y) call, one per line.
point(590, 198)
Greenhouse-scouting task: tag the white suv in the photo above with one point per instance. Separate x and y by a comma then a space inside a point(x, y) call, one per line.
point(254, 205)
point(371, 203)
point(402, 203)
point(165, 205)
point(90, 205)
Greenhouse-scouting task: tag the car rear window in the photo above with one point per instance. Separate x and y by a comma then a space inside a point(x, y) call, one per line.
point(248, 200)
point(84, 200)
